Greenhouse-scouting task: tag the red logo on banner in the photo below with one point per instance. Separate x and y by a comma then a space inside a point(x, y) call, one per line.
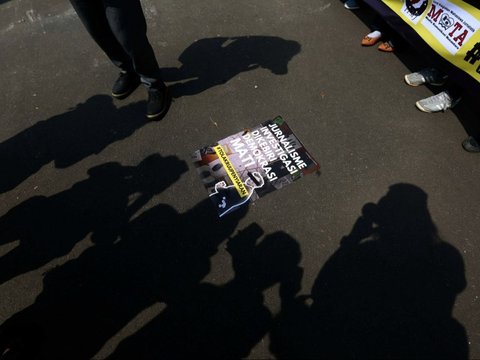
point(447, 22)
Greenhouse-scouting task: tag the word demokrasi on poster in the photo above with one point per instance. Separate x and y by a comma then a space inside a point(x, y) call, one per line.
point(249, 164)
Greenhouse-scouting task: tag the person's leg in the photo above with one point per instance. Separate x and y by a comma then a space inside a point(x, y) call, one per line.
point(128, 24)
point(455, 91)
point(387, 34)
point(92, 14)
point(376, 33)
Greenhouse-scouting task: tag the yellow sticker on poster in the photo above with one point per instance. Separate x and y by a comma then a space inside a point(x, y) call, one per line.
point(450, 27)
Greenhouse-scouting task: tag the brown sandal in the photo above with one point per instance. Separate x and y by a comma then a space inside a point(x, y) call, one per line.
point(386, 47)
point(370, 41)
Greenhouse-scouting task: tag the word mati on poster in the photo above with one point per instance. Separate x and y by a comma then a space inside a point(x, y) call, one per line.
point(450, 27)
point(252, 163)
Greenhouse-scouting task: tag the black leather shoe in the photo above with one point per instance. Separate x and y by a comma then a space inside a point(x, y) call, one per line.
point(471, 145)
point(158, 103)
point(126, 83)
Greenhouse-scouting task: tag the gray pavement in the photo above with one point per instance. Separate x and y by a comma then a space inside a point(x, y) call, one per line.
point(349, 105)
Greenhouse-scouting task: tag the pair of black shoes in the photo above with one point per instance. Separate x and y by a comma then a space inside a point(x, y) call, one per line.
point(159, 99)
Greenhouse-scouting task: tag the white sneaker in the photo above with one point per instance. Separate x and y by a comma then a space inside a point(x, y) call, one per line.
point(351, 5)
point(426, 76)
point(436, 103)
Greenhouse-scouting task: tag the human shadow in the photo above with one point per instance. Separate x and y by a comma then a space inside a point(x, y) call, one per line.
point(214, 61)
point(221, 322)
point(389, 290)
point(158, 257)
point(67, 138)
point(49, 227)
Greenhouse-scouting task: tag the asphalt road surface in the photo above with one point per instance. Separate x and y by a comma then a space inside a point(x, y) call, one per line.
point(110, 248)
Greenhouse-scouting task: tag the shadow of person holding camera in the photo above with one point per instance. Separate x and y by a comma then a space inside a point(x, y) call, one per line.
point(49, 227)
point(221, 322)
point(214, 61)
point(389, 290)
point(158, 256)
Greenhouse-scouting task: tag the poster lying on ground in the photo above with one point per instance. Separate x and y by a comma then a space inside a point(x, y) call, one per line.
point(450, 27)
point(252, 163)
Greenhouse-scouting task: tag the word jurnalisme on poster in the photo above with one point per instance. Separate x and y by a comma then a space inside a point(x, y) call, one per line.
point(251, 163)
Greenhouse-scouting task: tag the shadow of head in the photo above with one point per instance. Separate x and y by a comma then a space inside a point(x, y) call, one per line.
point(231, 55)
point(152, 175)
point(214, 61)
point(403, 212)
point(275, 54)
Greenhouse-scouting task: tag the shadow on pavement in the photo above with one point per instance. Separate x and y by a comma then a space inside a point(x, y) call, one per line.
point(387, 293)
point(91, 126)
point(221, 322)
point(68, 138)
point(157, 257)
point(214, 61)
point(49, 227)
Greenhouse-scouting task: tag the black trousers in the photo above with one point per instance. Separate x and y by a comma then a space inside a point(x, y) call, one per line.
point(120, 29)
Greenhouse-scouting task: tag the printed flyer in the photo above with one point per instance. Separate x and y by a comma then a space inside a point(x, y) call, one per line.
point(252, 163)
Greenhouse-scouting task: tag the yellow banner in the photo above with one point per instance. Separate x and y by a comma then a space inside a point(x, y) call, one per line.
point(450, 27)
point(231, 172)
